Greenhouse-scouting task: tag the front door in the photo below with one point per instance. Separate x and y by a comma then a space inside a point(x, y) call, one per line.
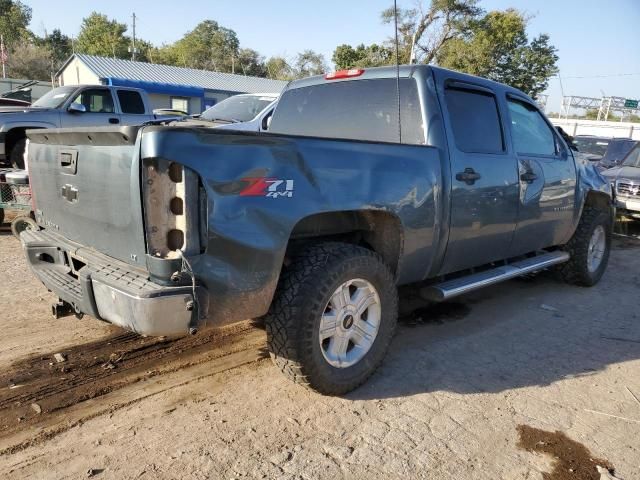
point(547, 179)
point(99, 109)
point(484, 177)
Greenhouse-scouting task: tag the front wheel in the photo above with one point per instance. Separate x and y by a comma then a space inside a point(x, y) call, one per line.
point(333, 317)
point(16, 156)
point(589, 248)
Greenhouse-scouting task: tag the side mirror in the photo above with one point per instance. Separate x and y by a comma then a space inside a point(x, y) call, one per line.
point(77, 108)
point(266, 122)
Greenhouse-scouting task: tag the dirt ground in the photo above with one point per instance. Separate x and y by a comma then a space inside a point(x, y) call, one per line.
point(530, 379)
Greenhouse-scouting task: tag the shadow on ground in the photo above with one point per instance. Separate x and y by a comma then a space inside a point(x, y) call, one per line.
point(526, 332)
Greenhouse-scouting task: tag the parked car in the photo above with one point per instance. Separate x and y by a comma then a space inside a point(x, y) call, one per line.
point(249, 112)
point(450, 182)
point(70, 106)
point(617, 151)
point(591, 146)
point(625, 181)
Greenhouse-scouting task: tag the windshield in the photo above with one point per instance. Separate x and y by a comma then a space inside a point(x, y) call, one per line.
point(54, 98)
point(240, 108)
point(633, 160)
point(617, 151)
point(592, 146)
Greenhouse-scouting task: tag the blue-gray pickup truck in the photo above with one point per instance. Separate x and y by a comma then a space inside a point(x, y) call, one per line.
point(70, 106)
point(365, 182)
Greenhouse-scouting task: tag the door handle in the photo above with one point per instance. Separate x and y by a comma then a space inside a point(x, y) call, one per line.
point(114, 120)
point(528, 177)
point(469, 176)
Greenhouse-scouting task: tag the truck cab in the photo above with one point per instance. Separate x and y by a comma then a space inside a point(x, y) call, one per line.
point(69, 107)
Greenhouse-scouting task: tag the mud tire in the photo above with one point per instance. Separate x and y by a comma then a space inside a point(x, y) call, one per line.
point(303, 291)
point(576, 270)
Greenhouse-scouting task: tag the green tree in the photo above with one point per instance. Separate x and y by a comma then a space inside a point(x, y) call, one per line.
point(59, 47)
point(424, 30)
point(144, 50)
point(496, 47)
point(209, 46)
point(310, 63)
point(101, 36)
point(29, 60)
point(374, 55)
point(14, 19)
point(250, 62)
point(279, 69)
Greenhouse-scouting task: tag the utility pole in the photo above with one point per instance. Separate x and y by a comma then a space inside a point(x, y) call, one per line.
point(3, 56)
point(133, 42)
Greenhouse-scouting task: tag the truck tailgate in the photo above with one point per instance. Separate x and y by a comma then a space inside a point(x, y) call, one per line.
point(86, 185)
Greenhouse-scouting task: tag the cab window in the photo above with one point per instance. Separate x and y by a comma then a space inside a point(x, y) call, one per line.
point(530, 132)
point(96, 100)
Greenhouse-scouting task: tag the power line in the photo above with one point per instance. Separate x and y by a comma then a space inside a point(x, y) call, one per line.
point(601, 76)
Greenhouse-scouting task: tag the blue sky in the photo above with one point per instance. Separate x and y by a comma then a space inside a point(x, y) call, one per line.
point(593, 37)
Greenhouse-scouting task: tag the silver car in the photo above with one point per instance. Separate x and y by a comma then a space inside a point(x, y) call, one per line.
point(250, 112)
point(625, 180)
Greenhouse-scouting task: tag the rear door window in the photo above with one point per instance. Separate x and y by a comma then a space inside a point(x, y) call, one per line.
point(474, 120)
point(354, 109)
point(131, 102)
point(530, 133)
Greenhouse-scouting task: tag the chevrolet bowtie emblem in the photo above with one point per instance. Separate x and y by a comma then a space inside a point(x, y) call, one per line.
point(70, 193)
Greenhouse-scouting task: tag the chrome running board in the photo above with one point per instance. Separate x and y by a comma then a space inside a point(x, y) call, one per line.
point(452, 288)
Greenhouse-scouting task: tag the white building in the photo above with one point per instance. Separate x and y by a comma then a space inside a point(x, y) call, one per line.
point(178, 88)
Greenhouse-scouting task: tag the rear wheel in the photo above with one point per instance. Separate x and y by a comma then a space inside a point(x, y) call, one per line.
point(20, 224)
point(589, 248)
point(333, 317)
point(16, 156)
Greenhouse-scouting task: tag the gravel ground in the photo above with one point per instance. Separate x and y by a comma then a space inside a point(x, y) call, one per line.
point(459, 384)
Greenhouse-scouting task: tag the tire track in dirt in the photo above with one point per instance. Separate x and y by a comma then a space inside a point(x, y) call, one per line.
point(38, 391)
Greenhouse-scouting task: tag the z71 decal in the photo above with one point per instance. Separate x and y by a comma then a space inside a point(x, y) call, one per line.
point(267, 187)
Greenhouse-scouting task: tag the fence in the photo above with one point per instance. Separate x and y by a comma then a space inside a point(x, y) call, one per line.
point(600, 128)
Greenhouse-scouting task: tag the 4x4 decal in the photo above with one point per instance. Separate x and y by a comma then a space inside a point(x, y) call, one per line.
point(267, 187)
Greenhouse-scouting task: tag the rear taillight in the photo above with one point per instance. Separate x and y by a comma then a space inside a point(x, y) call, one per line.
point(353, 72)
point(171, 208)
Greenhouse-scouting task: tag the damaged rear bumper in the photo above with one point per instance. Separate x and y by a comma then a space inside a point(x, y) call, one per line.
point(109, 289)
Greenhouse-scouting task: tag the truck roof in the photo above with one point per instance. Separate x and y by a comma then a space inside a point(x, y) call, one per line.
point(406, 71)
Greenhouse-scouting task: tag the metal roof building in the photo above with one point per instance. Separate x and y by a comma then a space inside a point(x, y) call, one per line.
point(181, 88)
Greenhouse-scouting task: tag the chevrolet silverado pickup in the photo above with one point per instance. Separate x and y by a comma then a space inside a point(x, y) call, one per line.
point(367, 180)
point(70, 106)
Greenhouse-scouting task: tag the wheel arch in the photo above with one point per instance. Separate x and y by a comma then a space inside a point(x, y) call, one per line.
point(597, 199)
point(377, 230)
point(19, 132)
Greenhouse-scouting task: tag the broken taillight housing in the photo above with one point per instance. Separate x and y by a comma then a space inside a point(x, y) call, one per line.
point(171, 203)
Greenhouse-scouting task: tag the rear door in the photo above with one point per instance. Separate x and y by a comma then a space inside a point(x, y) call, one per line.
point(132, 108)
point(547, 177)
point(100, 109)
point(484, 183)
